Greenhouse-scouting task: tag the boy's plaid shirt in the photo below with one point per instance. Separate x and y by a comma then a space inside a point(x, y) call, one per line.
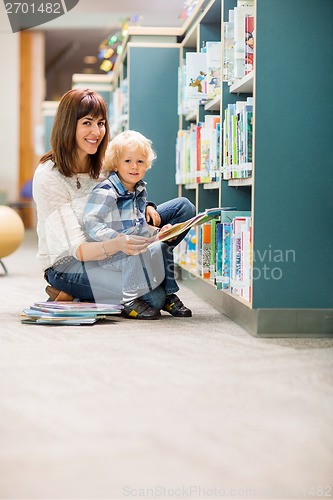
point(111, 209)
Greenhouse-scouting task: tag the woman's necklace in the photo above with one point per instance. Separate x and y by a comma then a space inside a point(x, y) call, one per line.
point(84, 169)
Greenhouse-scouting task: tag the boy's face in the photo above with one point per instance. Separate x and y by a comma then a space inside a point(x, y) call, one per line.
point(131, 167)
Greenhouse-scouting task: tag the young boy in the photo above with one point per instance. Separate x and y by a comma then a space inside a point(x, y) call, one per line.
point(118, 205)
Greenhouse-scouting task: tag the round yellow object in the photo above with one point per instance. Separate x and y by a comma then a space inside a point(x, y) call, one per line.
point(11, 231)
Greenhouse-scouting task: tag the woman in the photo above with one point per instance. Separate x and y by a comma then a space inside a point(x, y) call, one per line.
point(62, 184)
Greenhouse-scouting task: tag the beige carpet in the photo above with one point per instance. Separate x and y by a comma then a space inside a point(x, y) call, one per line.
point(191, 408)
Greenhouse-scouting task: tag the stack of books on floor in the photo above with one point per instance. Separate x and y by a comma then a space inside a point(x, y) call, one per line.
point(68, 313)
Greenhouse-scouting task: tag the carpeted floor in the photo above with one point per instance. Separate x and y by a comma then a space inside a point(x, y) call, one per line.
point(174, 408)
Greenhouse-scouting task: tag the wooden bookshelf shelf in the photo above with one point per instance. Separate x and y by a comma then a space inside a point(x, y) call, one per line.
point(211, 185)
point(213, 104)
point(240, 182)
point(244, 86)
point(191, 186)
point(192, 116)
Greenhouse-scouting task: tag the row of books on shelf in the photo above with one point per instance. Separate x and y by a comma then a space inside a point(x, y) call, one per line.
point(201, 73)
point(198, 152)
point(239, 39)
point(198, 148)
point(221, 251)
point(237, 140)
point(199, 77)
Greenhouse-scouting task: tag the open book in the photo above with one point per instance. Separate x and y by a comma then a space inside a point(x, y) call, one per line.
point(176, 229)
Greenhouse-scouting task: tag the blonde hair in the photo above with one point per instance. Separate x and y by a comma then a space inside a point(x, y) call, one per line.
point(128, 138)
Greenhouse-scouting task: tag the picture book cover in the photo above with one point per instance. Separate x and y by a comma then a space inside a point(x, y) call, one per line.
point(196, 75)
point(228, 49)
point(249, 43)
point(214, 57)
point(240, 12)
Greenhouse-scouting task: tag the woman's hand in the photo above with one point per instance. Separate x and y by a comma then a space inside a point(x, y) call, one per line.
point(152, 216)
point(131, 244)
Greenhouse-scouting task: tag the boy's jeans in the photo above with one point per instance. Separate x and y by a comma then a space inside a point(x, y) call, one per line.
point(172, 212)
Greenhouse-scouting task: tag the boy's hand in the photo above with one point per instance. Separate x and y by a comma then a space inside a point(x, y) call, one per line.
point(165, 228)
point(152, 216)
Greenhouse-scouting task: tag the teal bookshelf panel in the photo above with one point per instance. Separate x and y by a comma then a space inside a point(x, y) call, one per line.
point(153, 73)
point(293, 206)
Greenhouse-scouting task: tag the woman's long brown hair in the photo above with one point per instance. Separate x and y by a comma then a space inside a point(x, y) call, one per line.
point(74, 105)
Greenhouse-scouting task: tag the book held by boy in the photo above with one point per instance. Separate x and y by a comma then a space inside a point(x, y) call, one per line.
point(177, 229)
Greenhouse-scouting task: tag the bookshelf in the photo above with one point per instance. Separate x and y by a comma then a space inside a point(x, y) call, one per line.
point(289, 193)
point(291, 246)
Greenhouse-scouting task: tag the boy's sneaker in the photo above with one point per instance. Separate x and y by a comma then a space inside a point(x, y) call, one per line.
point(174, 306)
point(139, 309)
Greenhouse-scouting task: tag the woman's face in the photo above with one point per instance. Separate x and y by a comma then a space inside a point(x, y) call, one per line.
point(89, 134)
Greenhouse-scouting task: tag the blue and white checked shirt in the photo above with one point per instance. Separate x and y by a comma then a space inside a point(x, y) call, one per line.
point(111, 210)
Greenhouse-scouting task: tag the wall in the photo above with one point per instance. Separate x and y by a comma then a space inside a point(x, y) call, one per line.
point(9, 91)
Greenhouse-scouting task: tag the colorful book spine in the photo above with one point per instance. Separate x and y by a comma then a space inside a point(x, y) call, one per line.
point(206, 250)
point(205, 154)
point(240, 252)
point(225, 257)
point(218, 153)
point(218, 256)
point(198, 152)
point(212, 249)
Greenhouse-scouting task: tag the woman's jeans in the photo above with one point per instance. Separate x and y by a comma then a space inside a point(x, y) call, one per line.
point(89, 281)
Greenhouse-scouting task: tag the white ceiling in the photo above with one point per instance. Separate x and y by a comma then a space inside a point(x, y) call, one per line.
point(108, 13)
